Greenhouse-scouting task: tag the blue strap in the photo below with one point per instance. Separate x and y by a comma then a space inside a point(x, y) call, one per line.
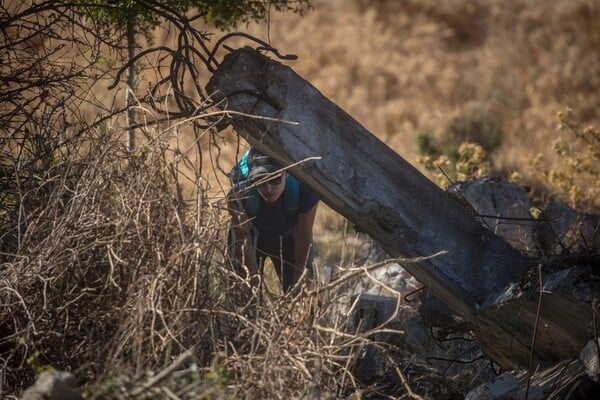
point(291, 196)
point(252, 202)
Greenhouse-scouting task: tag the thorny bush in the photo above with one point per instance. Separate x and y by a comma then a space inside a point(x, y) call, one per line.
point(102, 264)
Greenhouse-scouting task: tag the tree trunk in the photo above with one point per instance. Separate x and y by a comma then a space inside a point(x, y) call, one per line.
point(372, 186)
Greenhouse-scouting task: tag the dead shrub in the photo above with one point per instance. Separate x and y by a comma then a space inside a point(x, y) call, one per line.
point(110, 271)
point(572, 177)
point(104, 266)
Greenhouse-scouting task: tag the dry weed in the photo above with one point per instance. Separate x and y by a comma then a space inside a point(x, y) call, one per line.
point(574, 176)
point(111, 271)
point(105, 264)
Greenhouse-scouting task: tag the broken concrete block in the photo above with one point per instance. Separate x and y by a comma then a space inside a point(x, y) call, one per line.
point(460, 261)
point(502, 385)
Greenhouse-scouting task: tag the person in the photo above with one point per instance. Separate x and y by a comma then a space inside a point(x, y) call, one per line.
point(273, 216)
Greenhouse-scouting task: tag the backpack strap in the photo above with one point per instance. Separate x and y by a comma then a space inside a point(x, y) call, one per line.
point(252, 202)
point(291, 198)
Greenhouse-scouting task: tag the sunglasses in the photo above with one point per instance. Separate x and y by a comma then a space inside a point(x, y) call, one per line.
point(276, 180)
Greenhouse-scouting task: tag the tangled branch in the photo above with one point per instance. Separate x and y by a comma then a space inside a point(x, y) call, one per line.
point(191, 51)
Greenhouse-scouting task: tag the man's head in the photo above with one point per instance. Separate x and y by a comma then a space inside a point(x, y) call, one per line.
point(262, 168)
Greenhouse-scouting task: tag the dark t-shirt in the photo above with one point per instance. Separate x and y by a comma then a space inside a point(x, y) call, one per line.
point(272, 222)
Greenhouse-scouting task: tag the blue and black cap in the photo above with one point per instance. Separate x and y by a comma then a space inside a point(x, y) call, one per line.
point(260, 165)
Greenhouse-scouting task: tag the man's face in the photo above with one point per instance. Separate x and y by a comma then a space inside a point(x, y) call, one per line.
point(273, 188)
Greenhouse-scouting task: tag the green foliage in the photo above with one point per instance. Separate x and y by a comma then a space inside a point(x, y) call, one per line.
point(113, 14)
point(35, 363)
point(216, 376)
point(226, 14)
point(223, 14)
point(471, 163)
point(476, 127)
point(462, 151)
point(33, 360)
point(425, 144)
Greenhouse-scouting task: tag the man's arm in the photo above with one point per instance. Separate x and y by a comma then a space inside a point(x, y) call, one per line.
point(303, 240)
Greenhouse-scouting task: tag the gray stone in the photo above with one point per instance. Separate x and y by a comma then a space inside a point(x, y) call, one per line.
point(504, 387)
point(404, 325)
point(563, 230)
point(53, 385)
point(589, 358)
point(503, 206)
point(370, 311)
point(391, 275)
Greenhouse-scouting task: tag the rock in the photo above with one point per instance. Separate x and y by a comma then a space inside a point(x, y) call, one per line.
point(54, 385)
point(370, 311)
point(504, 207)
point(437, 314)
point(370, 365)
point(391, 275)
point(504, 387)
point(589, 358)
point(566, 379)
point(563, 230)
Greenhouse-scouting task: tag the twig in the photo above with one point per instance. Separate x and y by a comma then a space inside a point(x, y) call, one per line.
point(184, 357)
point(537, 319)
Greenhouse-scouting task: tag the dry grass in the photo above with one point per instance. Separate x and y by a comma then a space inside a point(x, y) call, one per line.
point(111, 271)
point(101, 247)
